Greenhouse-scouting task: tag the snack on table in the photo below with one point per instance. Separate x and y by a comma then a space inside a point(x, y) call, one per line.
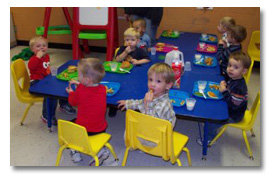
point(125, 64)
point(210, 49)
point(214, 86)
point(211, 38)
point(128, 58)
point(72, 69)
point(109, 90)
point(208, 61)
point(160, 44)
point(211, 94)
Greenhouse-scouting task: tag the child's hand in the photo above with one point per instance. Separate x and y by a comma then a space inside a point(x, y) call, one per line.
point(221, 41)
point(121, 105)
point(222, 86)
point(127, 49)
point(69, 89)
point(149, 97)
point(40, 54)
point(74, 82)
point(135, 61)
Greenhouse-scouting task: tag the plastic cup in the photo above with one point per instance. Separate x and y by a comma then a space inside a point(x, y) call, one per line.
point(198, 57)
point(153, 51)
point(202, 45)
point(53, 70)
point(202, 85)
point(113, 66)
point(204, 36)
point(187, 66)
point(190, 103)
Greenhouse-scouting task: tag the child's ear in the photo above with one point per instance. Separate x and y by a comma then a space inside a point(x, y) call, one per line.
point(244, 71)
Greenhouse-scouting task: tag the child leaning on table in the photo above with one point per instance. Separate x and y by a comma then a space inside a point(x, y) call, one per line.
point(130, 49)
point(90, 99)
point(145, 40)
point(235, 36)
point(156, 102)
point(234, 91)
point(225, 24)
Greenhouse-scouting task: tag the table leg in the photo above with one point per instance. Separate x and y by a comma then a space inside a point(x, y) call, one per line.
point(205, 141)
point(49, 114)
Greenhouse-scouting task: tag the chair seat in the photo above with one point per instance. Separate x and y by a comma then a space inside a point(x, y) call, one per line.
point(29, 98)
point(244, 123)
point(179, 141)
point(255, 55)
point(98, 141)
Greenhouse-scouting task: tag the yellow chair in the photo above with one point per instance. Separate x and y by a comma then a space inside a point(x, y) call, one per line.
point(161, 140)
point(248, 74)
point(74, 136)
point(253, 50)
point(22, 84)
point(116, 51)
point(245, 125)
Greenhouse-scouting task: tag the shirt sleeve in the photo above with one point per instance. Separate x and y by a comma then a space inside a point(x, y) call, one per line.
point(235, 98)
point(33, 62)
point(73, 97)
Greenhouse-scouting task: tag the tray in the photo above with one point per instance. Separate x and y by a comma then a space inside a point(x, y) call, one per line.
point(114, 86)
point(208, 48)
point(209, 39)
point(211, 88)
point(107, 67)
point(71, 76)
point(178, 97)
point(206, 61)
point(170, 34)
point(162, 47)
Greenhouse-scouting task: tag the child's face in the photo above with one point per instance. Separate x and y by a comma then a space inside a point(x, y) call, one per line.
point(221, 28)
point(138, 27)
point(235, 69)
point(131, 41)
point(40, 45)
point(158, 85)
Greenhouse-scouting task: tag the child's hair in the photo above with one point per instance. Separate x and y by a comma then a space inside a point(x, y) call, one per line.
point(228, 22)
point(35, 39)
point(92, 68)
point(141, 21)
point(241, 57)
point(238, 32)
point(132, 32)
point(163, 70)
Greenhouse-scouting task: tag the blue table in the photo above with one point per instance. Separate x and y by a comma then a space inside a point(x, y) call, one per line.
point(134, 85)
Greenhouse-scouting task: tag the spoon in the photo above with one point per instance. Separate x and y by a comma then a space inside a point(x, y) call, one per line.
point(202, 92)
point(121, 69)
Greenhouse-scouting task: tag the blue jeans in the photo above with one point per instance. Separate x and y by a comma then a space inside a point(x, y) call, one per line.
point(150, 29)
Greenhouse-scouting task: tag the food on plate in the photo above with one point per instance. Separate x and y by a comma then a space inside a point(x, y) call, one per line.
point(208, 61)
point(211, 94)
point(128, 58)
point(182, 102)
point(125, 64)
point(65, 75)
point(72, 69)
point(211, 38)
point(172, 101)
point(160, 44)
point(214, 86)
point(198, 94)
point(109, 90)
point(210, 49)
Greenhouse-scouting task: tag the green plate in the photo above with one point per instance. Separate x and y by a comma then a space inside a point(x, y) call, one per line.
point(107, 67)
point(175, 34)
point(71, 76)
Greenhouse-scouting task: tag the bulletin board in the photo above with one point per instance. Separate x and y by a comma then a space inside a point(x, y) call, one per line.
point(93, 15)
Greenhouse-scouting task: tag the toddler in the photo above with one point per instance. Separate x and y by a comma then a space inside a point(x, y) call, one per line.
point(90, 98)
point(140, 26)
point(235, 36)
point(224, 25)
point(156, 102)
point(137, 55)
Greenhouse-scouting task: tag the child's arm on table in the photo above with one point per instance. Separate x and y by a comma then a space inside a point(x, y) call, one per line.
point(141, 61)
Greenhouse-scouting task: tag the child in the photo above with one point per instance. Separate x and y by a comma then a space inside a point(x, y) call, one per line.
point(225, 24)
point(39, 68)
point(140, 26)
point(234, 91)
point(90, 98)
point(235, 36)
point(156, 102)
point(138, 55)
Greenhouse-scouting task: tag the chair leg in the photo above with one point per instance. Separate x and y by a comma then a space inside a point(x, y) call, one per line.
point(25, 113)
point(217, 136)
point(188, 156)
point(179, 162)
point(125, 156)
point(112, 151)
point(96, 160)
point(247, 144)
point(61, 149)
point(252, 132)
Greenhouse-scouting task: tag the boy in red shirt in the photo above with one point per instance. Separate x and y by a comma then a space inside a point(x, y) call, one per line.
point(39, 67)
point(90, 98)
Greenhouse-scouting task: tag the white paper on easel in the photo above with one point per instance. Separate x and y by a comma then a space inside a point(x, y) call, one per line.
point(93, 16)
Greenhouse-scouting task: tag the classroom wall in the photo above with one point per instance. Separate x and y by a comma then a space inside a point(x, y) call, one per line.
point(177, 18)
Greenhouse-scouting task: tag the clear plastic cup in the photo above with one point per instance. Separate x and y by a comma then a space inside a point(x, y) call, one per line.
point(190, 103)
point(198, 57)
point(113, 66)
point(204, 36)
point(202, 85)
point(153, 51)
point(53, 70)
point(187, 66)
point(202, 45)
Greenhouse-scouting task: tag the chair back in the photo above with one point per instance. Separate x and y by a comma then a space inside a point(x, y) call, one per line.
point(248, 74)
point(20, 78)
point(73, 136)
point(252, 48)
point(157, 132)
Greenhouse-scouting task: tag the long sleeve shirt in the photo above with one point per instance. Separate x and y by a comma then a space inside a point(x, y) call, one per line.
point(91, 103)
point(160, 107)
point(39, 67)
point(236, 96)
point(224, 53)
